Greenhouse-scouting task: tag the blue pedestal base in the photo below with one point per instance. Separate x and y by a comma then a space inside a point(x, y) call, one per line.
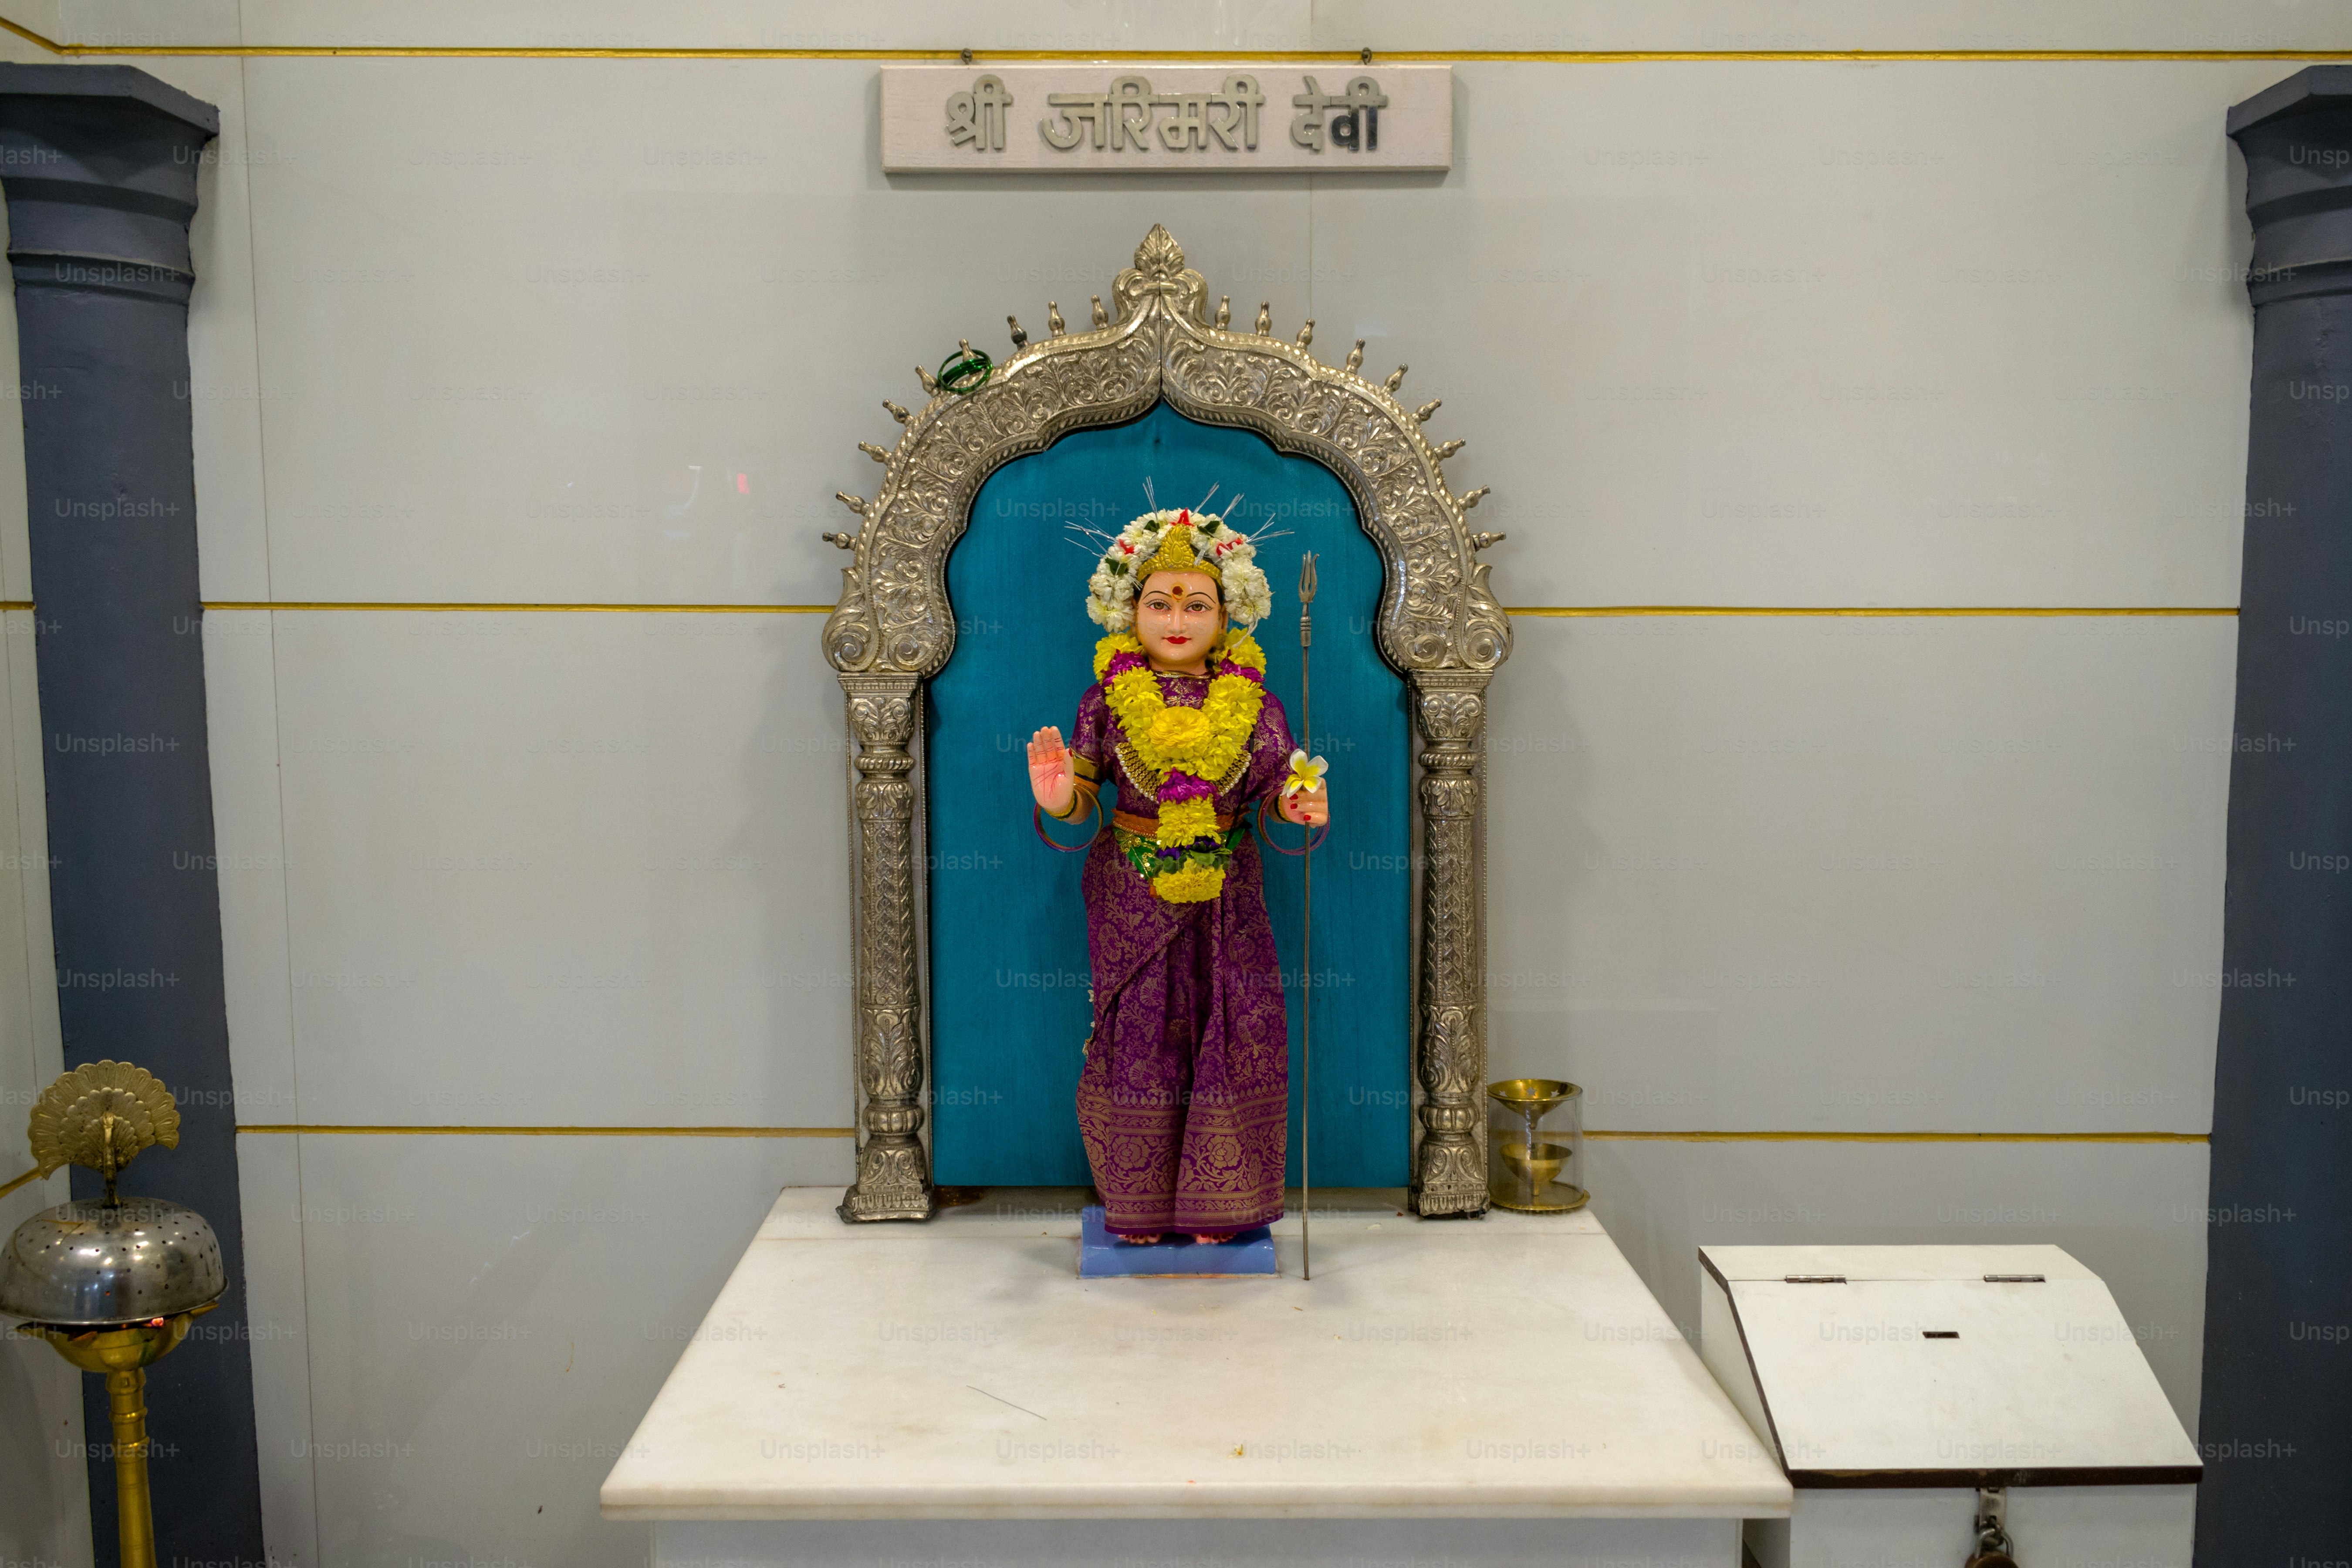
point(1102, 1255)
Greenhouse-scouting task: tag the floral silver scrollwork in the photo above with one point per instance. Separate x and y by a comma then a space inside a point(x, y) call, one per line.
point(893, 1176)
point(1449, 1175)
point(1438, 622)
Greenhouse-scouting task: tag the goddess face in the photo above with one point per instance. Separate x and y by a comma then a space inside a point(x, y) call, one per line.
point(1177, 617)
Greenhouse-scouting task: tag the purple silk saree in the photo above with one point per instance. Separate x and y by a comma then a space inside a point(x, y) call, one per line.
point(1184, 1100)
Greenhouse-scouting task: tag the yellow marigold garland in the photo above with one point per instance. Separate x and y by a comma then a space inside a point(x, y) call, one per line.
point(1194, 885)
point(1204, 742)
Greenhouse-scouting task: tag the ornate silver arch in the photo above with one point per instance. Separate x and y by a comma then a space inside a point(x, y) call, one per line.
point(1439, 624)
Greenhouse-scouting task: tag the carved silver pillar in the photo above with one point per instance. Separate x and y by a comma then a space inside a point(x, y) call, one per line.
point(1450, 1173)
point(894, 1179)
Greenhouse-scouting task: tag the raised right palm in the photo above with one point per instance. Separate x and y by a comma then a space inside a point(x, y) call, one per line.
point(1050, 778)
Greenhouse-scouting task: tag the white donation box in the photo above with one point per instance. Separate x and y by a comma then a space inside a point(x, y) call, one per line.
point(1919, 1395)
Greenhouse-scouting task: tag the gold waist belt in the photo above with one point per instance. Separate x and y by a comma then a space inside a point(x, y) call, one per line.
point(1150, 825)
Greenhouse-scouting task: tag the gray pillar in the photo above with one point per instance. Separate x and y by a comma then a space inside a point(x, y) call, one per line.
point(2278, 1372)
point(99, 163)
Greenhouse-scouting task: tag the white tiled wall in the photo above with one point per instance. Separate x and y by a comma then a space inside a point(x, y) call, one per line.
point(602, 881)
point(1863, 873)
point(45, 1501)
point(1831, 335)
point(547, 331)
point(603, 320)
point(488, 1319)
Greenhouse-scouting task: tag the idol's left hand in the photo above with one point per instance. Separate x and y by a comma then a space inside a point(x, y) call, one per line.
point(1310, 809)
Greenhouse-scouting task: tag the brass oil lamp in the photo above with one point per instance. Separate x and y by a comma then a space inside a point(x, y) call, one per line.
point(1535, 1145)
point(113, 1282)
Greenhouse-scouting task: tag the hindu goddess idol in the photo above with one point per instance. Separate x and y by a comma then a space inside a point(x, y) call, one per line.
point(1183, 1101)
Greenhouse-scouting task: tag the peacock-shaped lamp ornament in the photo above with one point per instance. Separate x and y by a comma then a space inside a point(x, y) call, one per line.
point(112, 1282)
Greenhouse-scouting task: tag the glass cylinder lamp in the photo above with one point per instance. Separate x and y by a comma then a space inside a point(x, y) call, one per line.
point(1535, 1145)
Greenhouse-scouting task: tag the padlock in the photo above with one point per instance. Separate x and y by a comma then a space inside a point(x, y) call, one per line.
point(1993, 1546)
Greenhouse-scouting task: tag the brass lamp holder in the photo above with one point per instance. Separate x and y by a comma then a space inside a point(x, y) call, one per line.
point(122, 1356)
point(111, 1285)
point(1533, 1162)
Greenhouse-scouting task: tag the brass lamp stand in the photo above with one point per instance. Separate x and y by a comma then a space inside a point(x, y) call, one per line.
point(1524, 1157)
point(112, 1284)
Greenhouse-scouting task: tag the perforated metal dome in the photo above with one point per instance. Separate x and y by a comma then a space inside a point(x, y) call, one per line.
point(88, 1263)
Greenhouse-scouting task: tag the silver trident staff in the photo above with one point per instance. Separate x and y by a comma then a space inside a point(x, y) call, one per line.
point(1306, 936)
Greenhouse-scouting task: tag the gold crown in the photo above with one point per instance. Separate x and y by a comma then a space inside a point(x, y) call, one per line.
point(1176, 554)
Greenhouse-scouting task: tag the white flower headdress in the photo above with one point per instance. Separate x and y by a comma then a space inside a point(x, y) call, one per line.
point(1180, 540)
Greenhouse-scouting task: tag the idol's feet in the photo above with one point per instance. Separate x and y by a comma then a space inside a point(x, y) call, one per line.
point(1211, 1239)
point(1140, 1240)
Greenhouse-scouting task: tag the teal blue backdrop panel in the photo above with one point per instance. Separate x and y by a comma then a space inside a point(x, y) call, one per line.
point(1009, 972)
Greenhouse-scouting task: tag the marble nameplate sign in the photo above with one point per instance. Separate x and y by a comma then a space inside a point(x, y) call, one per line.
point(1102, 1255)
point(1184, 119)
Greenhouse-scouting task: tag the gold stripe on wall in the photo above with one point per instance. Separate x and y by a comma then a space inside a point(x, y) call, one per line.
point(1543, 610)
point(519, 608)
point(1178, 57)
point(321, 1128)
point(421, 606)
point(437, 1129)
point(16, 604)
point(1906, 1137)
point(20, 1181)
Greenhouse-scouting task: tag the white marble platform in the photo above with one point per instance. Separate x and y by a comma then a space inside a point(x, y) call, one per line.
point(1509, 1368)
